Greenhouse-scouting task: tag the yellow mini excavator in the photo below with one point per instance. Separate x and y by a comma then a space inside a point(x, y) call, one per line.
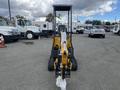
point(62, 58)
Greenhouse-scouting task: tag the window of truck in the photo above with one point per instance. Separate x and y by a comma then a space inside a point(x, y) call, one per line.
point(28, 23)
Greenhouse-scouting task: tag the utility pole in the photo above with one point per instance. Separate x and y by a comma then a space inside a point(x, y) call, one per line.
point(9, 9)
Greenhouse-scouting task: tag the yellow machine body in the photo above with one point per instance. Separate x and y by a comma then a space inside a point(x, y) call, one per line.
point(57, 42)
point(62, 58)
point(64, 53)
point(63, 48)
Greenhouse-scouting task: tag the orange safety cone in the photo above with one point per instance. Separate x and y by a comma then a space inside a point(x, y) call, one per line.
point(2, 42)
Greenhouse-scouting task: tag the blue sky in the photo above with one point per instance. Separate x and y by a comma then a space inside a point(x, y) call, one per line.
point(110, 16)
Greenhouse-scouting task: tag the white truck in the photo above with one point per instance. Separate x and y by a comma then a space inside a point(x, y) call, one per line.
point(116, 29)
point(45, 28)
point(95, 31)
point(9, 32)
point(27, 30)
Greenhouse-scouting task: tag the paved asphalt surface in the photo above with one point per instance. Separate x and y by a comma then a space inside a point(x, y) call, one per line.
point(23, 65)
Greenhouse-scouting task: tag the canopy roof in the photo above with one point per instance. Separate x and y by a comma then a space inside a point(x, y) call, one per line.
point(62, 7)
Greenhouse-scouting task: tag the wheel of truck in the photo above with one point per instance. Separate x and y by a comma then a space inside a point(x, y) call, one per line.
point(119, 33)
point(82, 32)
point(89, 35)
point(29, 35)
point(74, 64)
point(103, 36)
point(51, 64)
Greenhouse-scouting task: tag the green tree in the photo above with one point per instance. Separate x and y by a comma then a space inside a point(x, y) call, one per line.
point(107, 23)
point(97, 22)
point(1, 17)
point(88, 22)
point(20, 17)
point(6, 19)
point(49, 17)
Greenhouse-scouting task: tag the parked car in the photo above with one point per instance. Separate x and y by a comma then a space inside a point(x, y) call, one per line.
point(97, 32)
point(9, 33)
point(80, 30)
point(107, 29)
point(87, 29)
point(27, 30)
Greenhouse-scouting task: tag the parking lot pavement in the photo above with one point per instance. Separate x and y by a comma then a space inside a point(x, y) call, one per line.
point(23, 65)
